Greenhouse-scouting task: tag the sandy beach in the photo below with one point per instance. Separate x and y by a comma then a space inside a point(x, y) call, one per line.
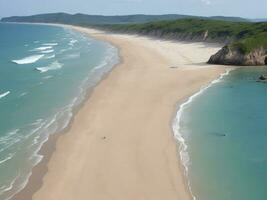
point(121, 145)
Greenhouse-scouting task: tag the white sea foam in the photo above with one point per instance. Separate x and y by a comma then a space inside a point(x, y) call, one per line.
point(4, 94)
point(9, 135)
point(38, 126)
point(48, 51)
point(108, 58)
point(50, 44)
point(7, 158)
point(23, 94)
point(184, 156)
point(64, 50)
point(42, 48)
point(10, 186)
point(72, 42)
point(9, 139)
point(37, 122)
point(29, 59)
point(101, 65)
point(53, 66)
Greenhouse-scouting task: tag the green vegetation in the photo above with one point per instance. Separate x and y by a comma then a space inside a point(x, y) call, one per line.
point(86, 20)
point(244, 36)
point(251, 42)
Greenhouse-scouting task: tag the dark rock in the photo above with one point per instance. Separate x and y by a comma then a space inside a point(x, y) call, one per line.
point(263, 78)
point(226, 56)
point(229, 56)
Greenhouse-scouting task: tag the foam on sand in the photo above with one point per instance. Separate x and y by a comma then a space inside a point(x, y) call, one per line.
point(4, 94)
point(53, 66)
point(28, 60)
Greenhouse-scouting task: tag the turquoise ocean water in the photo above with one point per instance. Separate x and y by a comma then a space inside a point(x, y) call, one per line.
point(223, 132)
point(45, 72)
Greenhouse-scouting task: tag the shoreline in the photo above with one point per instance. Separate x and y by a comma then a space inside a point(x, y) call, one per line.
point(183, 154)
point(46, 159)
point(46, 150)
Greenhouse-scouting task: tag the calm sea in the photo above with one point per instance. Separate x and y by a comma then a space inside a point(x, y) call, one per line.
point(223, 132)
point(45, 71)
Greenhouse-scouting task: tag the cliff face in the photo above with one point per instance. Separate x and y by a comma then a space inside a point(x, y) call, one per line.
point(225, 56)
point(189, 37)
point(202, 36)
point(228, 56)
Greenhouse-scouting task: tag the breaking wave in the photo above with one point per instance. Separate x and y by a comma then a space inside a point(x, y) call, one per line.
point(42, 48)
point(53, 66)
point(4, 94)
point(50, 44)
point(28, 60)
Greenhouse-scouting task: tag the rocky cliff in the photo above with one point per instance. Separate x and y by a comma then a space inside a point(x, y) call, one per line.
point(233, 56)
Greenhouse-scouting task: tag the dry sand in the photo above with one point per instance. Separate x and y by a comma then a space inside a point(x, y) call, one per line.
point(120, 145)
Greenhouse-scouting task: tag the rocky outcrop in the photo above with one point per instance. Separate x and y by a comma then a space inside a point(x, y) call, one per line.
point(231, 56)
point(263, 78)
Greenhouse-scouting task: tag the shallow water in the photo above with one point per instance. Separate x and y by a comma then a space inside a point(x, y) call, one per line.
point(225, 131)
point(45, 72)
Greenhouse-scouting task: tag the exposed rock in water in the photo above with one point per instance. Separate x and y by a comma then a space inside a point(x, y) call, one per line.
point(263, 78)
point(229, 56)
